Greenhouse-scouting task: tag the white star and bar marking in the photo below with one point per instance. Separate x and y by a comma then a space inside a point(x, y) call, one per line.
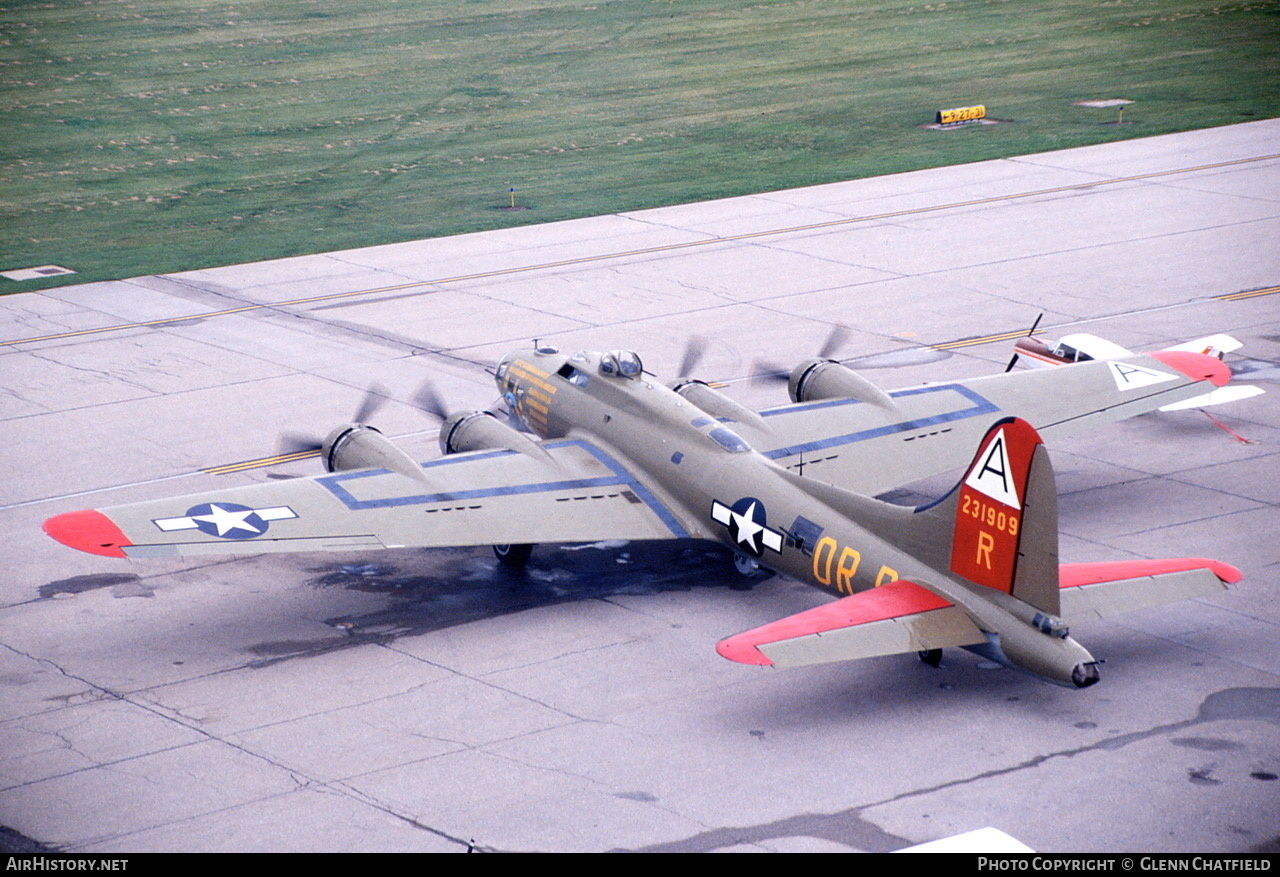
point(223, 519)
point(745, 530)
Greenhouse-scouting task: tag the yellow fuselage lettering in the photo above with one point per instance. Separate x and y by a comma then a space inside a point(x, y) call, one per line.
point(836, 566)
point(846, 568)
point(885, 576)
point(822, 569)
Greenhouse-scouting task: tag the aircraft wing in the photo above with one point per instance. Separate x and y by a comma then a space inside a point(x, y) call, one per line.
point(478, 498)
point(872, 448)
point(889, 620)
point(1098, 590)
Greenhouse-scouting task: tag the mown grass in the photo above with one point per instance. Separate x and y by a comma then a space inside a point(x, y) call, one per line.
point(150, 136)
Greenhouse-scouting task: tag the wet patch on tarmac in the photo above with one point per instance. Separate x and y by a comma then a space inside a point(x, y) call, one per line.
point(442, 588)
point(847, 828)
point(1255, 370)
point(850, 828)
point(81, 584)
point(1242, 703)
point(15, 842)
point(1201, 777)
point(1206, 744)
point(642, 797)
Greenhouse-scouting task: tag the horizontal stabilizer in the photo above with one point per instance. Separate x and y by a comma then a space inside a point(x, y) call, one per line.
point(1100, 590)
point(892, 619)
point(1214, 345)
point(1217, 397)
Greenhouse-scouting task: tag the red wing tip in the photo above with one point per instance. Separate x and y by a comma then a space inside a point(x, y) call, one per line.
point(89, 531)
point(735, 648)
point(1197, 366)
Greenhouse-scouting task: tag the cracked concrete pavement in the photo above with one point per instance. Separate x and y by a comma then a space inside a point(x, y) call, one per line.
point(432, 701)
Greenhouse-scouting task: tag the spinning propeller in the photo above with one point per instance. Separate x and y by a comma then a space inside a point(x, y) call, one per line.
point(764, 370)
point(694, 349)
point(292, 443)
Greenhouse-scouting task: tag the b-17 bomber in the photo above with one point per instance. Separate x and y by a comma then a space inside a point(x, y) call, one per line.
point(601, 450)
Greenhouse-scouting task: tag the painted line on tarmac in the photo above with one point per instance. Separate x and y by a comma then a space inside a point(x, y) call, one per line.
point(647, 251)
point(1248, 293)
point(985, 339)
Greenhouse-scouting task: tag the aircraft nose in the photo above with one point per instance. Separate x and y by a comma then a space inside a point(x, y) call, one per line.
point(89, 531)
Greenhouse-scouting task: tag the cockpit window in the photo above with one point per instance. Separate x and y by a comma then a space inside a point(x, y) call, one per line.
point(628, 363)
point(729, 440)
point(573, 375)
point(1066, 351)
point(620, 363)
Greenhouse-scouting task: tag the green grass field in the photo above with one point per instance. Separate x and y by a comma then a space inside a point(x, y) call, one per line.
point(151, 136)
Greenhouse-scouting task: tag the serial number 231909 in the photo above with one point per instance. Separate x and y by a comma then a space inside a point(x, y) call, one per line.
point(988, 514)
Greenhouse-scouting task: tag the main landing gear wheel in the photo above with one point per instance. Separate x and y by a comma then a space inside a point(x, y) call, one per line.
point(514, 556)
point(932, 657)
point(748, 566)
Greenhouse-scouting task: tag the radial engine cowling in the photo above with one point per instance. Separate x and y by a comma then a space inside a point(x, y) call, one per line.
point(715, 403)
point(356, 446)
point(482, 431)
point(816, 379)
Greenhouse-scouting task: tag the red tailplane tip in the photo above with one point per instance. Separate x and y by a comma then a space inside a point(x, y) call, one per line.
point(736, 648)
point(90, 531)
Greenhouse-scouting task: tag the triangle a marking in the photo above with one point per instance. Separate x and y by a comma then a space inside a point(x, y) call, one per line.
point(992, 476)
point(1131, 377)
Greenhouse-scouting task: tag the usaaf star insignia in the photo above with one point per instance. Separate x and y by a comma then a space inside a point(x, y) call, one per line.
point(227, 520)
point(746, 522)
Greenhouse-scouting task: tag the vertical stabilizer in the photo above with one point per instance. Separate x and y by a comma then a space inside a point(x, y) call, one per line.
point(1005, 535)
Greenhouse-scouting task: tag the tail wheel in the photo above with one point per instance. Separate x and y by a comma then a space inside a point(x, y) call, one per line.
point(932, 657)
point(514, 556)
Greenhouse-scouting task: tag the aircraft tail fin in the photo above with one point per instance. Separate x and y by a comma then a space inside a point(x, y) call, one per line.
point(998, 528)
point(1004, 514)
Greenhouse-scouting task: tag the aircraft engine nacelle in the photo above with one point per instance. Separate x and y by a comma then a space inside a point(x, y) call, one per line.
point(715, 403)
point(482, 431)
point(816, 379)
point(356, 446)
